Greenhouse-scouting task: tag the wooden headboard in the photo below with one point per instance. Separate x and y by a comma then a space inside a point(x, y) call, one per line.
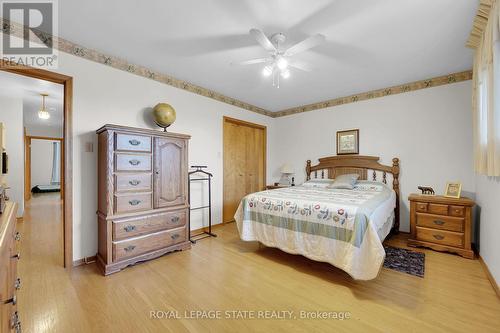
point(364, 166)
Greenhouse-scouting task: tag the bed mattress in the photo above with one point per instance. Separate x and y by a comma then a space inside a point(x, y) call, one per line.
point(342, 227)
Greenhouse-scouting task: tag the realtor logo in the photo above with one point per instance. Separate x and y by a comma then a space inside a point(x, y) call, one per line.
point(28, 27)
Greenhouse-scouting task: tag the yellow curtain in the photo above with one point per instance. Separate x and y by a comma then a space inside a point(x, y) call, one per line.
point(486, 97)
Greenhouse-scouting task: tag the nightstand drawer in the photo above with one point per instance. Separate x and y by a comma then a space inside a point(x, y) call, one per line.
point(422, 207)
point(457, 211)
point(440, 237)
point(438, 209)
point(440, 222)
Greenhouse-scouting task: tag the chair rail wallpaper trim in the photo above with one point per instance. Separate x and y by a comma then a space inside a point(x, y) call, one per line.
point(16, 29)
point(394, 90)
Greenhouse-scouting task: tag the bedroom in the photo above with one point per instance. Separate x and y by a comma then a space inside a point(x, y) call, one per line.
point(399, 72)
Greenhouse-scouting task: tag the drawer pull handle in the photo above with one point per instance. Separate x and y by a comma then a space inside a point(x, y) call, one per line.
point(129, 228)
point(134, 182)
point(13, 300)
point(17, 237)
point(458, 211)
point(129, 248)
point(438, 237)
point(17, 284)
point(175, 219)
point(17, 256)
point(439, 222)
point(134, 202)
point(175, 236)
point(14, 322)
point(134, 142)
point(134, 162)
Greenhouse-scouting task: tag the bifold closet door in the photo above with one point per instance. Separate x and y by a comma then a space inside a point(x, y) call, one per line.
point(244, 163)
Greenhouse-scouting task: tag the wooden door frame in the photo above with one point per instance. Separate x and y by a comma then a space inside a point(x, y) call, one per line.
point(27, 163)
point(67, 171)
point(226, 119)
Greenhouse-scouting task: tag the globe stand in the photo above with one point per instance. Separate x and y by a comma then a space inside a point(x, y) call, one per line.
point(163, 126)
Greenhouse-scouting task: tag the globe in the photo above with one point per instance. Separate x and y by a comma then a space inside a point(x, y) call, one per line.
point(164, 115)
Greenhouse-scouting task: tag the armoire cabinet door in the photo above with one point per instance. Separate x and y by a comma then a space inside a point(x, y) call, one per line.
point(169, 172)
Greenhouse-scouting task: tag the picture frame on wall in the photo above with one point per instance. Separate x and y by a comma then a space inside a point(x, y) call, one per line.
point(348, 142)
point(453, 190)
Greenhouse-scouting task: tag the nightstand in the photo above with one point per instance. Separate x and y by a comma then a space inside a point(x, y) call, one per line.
point(441, 223)
point(272, 187)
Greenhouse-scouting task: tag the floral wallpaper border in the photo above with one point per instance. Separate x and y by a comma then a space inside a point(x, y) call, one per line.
point(399, 89)
point(16, 29)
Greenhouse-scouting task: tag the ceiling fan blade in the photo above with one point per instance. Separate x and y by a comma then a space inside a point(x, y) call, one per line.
point(252, 61)
point(306, 44)
point(263, 40)
point(303, 66)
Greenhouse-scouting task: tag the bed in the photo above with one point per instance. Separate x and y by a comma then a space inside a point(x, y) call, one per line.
point(345, 228)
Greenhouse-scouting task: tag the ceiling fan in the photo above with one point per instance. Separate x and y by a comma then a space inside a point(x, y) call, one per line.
point(280, 60)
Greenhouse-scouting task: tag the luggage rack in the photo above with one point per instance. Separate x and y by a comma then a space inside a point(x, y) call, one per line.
point(206, 176)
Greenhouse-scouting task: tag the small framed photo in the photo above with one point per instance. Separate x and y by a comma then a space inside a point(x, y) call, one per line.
point(453, 190)
point(348, 142)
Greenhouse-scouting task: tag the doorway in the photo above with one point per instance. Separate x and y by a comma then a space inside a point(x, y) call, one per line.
point(43, 166)
point(66, 204)
point(244, 154)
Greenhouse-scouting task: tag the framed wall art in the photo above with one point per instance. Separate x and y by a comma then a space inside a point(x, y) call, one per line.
point(348, 142)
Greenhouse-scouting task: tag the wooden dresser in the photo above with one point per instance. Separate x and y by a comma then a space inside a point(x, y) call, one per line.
point(142, 195)
point(441, 223)
point(9, 281)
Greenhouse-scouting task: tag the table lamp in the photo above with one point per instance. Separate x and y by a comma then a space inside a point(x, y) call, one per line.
point(286, 173)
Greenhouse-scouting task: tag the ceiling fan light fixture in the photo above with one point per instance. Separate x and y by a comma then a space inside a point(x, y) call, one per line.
point(285, 74)
point(43, 113)
point(267, 71)
point(282, 63)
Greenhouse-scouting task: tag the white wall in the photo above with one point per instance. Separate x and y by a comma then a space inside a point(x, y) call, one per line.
point(46, 131)
point(105, 95)
point(42, 153)
point(429, 130)
point(488, 202)
point(11, 114)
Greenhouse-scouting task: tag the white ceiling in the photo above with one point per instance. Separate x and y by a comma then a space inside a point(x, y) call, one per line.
point(29, 90)
point(371, 44)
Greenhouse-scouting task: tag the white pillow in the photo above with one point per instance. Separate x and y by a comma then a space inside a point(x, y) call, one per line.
point(322, 183)
point(345, 181)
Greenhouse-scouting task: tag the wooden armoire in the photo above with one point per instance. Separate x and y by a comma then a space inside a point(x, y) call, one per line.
point(142, 195)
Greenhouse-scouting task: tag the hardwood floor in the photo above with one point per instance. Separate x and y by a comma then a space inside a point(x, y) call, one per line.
point(226, 274)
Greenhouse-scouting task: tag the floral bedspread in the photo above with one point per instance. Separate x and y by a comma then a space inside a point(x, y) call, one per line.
point(330, 225)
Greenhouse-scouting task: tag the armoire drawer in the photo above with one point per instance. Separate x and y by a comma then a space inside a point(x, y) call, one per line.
point(140, 245)
point(132, 202)
point(132, 227)
point(132, 142)
point(133, 182)
point(132, 162)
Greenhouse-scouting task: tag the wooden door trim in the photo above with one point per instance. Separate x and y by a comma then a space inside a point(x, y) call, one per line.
point(226, 119)
point(48, 138)
point(243, 123)
point(67, 144)
point(27, 167)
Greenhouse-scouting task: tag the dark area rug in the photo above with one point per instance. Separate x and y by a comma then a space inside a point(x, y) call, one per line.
point(406, 261)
